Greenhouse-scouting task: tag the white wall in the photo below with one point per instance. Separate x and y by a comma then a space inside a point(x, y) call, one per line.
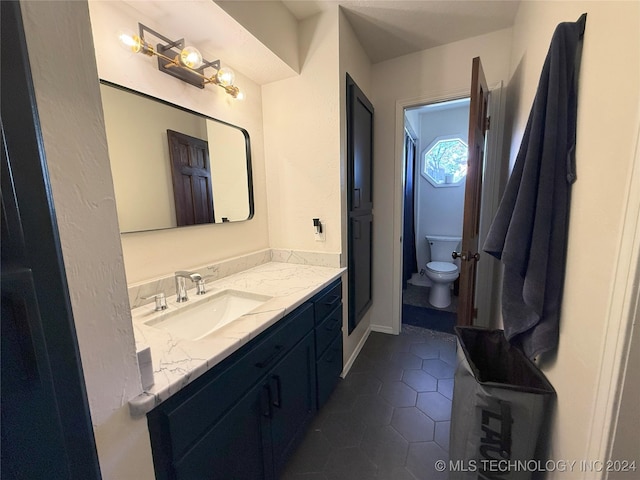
point(301, 139)
point(435, 74)
point(147, 254)
point(230, 195)
point(438, 209)
point(608, 120)
point(68, 101)
point(272, 23)
point(305, 150)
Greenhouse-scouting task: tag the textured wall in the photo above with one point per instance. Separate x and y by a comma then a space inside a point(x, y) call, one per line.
point(302, 138)
point(68, 100)
point(608, 116)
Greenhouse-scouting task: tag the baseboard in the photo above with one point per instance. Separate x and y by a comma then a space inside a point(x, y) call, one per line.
point(349, 363)
point(382, 329)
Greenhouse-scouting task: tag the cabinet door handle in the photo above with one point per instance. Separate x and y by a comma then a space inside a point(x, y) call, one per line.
point(275, 381)
point(266, 401)
point(270, 358)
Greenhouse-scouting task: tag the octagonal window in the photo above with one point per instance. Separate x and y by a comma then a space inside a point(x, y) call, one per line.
point(445, 161)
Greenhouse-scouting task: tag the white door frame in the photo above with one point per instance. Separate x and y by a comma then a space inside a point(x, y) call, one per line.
point(492, 195)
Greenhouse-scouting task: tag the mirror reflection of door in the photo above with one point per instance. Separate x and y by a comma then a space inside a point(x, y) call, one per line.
point(141, 166)
point(191, 174)
point(469, 256)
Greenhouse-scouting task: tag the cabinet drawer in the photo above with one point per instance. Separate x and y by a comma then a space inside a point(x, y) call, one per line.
point(328, 300)
point(328, 329)
point(329, 367)
point(191, 412)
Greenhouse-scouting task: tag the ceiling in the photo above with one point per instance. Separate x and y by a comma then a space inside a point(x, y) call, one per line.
point(386, 28)
point(391, 28)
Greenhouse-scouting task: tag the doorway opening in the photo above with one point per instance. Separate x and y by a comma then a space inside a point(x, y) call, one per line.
point(435, 159)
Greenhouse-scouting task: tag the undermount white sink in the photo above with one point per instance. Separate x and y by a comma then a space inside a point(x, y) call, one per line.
point(197, 319)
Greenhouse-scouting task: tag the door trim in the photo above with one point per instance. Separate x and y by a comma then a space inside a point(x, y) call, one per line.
point(398, 198)
point(621, 317)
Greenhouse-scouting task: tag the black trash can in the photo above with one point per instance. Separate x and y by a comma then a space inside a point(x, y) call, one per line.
point(500, 411)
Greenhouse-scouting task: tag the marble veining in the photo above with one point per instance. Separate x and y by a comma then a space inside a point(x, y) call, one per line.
point(177, 362)
point(141, 293)
point(306, 258)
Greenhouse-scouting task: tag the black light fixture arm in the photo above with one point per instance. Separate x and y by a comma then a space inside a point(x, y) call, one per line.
point(172, 60)
point(169, 43)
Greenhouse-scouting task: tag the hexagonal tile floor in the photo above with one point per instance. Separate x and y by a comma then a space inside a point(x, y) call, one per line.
point(389, 418)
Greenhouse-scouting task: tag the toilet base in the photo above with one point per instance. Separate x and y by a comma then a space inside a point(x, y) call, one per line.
point(440, 295)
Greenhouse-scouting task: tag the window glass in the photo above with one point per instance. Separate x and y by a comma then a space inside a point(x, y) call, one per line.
point(445, 161)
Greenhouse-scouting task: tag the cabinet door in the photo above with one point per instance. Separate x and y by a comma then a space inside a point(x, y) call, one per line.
point(238, 447)
point(359, 149)
point(360, 286)
point(329, 368)
point(293, 391)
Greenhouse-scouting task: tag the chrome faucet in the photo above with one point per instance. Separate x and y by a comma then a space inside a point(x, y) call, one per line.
point(181, 284)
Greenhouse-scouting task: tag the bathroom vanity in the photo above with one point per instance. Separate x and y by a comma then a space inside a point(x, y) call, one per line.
point(245, 414)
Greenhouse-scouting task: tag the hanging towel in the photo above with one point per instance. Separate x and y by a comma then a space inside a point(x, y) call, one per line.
point(529, 231)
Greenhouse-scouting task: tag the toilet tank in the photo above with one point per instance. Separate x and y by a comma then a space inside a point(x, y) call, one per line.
point(442, 247)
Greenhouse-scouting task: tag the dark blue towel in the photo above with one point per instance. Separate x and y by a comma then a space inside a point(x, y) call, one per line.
point(529, 231)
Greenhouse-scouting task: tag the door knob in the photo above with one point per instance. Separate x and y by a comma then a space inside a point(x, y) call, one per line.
point(459, 255)
point(465, 256)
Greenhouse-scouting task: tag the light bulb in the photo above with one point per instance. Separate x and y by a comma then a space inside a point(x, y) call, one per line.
point(225, 76)
point(191, 57)
point(130, 41)
point(240, 96)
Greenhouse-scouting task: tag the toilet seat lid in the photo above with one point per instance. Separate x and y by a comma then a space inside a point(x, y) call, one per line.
point(442, 267)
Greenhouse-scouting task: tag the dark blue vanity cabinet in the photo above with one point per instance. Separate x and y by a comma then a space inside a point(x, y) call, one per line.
point(244, 417)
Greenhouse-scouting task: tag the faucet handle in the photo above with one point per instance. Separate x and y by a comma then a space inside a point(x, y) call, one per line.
point(161, 301)
point(201, 287)
point(193, 276)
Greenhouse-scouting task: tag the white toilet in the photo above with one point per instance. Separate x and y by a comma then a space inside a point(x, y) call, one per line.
point(441, 270)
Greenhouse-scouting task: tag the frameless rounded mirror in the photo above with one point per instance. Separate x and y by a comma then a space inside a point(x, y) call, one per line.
point(173, 167)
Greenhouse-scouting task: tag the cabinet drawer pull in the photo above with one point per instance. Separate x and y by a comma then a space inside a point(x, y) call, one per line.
point(276, 351)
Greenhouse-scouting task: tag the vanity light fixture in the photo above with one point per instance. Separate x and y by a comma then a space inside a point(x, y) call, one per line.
point(180, 61)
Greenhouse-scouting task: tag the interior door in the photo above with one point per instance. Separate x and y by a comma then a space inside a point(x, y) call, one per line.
point(469, 256)
point(191, 173)
point(360, 114)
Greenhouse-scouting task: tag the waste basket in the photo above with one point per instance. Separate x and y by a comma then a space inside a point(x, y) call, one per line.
point(500, 410)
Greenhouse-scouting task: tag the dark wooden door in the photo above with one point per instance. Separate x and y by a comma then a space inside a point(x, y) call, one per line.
point(191, 174)
point(46, 427)
point(478, 124)
point(359, 201)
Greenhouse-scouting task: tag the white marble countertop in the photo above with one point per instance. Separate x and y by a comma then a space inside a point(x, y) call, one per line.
point(177, 362)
